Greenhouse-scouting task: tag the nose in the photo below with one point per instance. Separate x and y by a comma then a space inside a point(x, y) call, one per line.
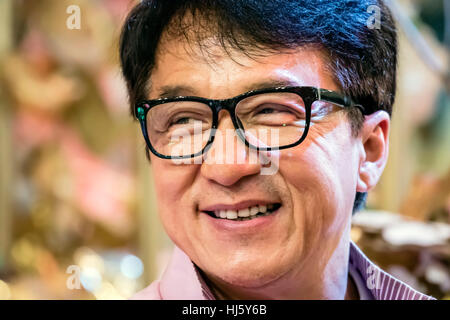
point(229, 160)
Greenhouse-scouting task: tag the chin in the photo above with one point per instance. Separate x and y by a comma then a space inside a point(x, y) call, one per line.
point(249, 278)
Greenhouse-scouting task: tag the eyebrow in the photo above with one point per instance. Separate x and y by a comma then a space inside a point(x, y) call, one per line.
point(271, 83)
point(175, 91)
point(170, 91)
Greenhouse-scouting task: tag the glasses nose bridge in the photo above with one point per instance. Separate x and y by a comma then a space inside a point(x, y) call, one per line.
point(230, 106)
point(224, 104)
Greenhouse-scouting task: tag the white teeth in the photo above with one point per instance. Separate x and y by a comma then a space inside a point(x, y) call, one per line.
point(231, 214)
point(254, 211)
point(244, 212)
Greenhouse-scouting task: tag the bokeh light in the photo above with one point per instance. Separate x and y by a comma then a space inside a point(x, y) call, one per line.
point(131, 266)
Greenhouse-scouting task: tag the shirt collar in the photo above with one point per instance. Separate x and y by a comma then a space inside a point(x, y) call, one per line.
point(182, 281)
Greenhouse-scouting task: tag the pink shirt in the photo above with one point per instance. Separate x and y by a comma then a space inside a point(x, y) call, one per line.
point(182, 281)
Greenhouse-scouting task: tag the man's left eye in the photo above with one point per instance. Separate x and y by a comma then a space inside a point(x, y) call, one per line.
point(274, 109)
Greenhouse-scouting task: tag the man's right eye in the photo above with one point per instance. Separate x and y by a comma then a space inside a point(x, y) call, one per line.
point(184, 120)
point(188, 122)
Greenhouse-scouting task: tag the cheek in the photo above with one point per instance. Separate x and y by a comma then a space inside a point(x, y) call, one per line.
point(173, 186)
point(309, 186)
point(165, 185)
point(320, 176)
point(172, 181)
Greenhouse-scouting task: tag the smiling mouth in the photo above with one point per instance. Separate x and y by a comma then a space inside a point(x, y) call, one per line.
point(249, 213)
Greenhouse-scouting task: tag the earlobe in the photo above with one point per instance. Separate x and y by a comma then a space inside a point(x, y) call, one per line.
point(374, 150)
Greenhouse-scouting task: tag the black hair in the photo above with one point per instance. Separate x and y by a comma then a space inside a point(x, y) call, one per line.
point(361, 51)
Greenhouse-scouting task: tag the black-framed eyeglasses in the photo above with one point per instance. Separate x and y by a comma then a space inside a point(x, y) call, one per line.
point(267, 119)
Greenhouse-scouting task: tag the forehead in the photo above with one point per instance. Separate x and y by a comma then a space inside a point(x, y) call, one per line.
point(210, 70)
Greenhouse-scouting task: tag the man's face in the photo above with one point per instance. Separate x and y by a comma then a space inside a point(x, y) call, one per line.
point(315, 183)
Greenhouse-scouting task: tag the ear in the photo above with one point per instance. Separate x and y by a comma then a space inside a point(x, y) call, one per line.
point(374, 150)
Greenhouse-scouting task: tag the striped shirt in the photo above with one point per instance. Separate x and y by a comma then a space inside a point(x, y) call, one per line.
point(182, 281)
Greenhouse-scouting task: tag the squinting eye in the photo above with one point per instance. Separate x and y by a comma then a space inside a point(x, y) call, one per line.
point(267, 111)
point(184, 120)
point(276, 109)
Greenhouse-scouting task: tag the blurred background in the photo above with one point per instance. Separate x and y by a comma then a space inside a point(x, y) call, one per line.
point(77, 209)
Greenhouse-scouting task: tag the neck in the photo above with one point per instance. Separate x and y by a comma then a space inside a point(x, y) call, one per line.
point(325, 279)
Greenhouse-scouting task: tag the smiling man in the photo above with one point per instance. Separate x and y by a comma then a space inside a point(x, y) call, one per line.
point(306, 90)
